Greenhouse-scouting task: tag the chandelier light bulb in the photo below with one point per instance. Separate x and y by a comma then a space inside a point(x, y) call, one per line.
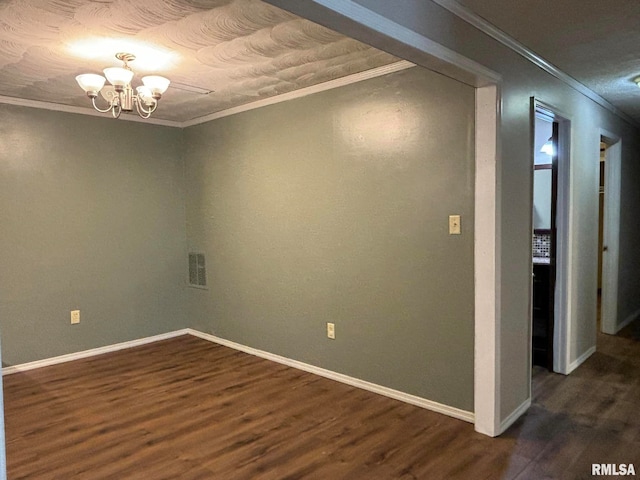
point(91, 83)
point(144, 93)
point(156, 84)
point(118, 76)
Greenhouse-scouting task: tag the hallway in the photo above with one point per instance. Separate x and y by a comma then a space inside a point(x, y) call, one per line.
point(590, 416)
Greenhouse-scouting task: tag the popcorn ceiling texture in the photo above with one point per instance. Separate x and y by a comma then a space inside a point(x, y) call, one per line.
point(242, 50)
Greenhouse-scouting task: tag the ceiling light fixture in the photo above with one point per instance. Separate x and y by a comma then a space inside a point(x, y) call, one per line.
point(120, 94)
point(548, 147)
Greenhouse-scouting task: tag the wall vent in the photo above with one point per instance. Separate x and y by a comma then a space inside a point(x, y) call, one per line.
point(197, 270)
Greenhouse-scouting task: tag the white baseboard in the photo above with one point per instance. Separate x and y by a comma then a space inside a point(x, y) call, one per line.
point(339, 377)
point(628, 320)
point(580, 360)
point(90, 353)
point(507, 422)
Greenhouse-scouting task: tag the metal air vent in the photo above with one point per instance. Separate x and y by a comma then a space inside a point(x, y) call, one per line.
point(197, 270)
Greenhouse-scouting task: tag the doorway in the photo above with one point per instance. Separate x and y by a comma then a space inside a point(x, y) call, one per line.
point(557, 127)
point(545, 193)
point(610, 225)
point(601, 177)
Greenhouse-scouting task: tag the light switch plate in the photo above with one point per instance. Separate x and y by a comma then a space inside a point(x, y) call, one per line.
point(454, 224)
point(331, 331)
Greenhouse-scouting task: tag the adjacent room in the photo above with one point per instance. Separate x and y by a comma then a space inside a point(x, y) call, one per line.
point(281, 241)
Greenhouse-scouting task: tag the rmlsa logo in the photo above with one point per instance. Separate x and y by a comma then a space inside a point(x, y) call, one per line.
point(613, 469)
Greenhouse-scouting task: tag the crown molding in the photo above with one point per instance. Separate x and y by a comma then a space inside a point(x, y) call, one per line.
point(57, 107)
point(303, 92)
point(494, 32)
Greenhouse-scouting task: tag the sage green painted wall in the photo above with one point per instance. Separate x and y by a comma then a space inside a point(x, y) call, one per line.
point(521, 80)
point(334, 208)
point(92, 218)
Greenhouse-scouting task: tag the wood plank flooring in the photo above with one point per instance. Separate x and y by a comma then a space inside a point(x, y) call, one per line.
point(189, 409)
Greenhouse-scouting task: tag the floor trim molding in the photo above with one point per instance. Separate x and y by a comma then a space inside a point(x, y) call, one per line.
point(627, 321)
point(89, 353)
point(510, 420)
point(339, 377)
point(580, 360)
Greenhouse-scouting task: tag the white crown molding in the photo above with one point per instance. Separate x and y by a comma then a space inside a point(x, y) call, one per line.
point(494, 32)
point(339, 377)
point(303, 92)
point(57, 107)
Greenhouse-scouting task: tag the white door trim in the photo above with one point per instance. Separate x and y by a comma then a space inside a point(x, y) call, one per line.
point(487, 263)
point(564, 278)
point(611, 233)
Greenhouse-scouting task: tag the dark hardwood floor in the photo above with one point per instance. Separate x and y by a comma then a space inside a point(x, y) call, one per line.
point(189, 409)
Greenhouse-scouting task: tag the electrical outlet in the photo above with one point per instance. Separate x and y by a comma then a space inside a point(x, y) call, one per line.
point(75, 316)
point(331, 330)
point(454, 224)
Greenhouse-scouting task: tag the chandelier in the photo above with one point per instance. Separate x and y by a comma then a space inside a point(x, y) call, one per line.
point(120, 93)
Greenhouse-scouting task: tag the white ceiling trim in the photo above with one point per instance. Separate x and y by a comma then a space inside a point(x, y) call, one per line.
point(494, 32)
point(303, 92)
point(56, 107)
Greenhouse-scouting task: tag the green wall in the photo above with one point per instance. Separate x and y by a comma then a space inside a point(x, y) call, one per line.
point(92, 218)
point(520, 79)
point(334, 208)
point(329, 208)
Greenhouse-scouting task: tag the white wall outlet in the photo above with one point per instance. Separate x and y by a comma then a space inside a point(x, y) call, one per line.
point(331, 330)
point(75, 316)
point(454, 224)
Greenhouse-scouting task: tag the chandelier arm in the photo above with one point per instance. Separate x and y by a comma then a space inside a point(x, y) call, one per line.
point(116, 110)
point(141, 111)
point(140, 108)
point(93, 101)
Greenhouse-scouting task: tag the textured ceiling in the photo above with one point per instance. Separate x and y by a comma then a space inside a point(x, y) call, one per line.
point(240, 51)
point(595, 42)
point(245, 50)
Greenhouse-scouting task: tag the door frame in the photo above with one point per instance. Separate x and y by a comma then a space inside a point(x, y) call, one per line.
point(611, 232)
point(564, 279)
point(551, 230)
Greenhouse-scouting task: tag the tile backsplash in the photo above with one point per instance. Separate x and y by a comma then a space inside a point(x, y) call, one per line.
point(541, 245)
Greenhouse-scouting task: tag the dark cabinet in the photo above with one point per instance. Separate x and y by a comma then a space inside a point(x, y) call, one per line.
point(542, 341)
